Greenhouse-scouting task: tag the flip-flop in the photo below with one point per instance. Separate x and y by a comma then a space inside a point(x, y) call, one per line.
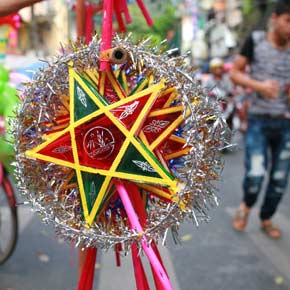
point(240, 220)
point(268, 230)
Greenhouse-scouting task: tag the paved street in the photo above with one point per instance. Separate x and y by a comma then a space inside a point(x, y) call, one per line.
point(211, 257)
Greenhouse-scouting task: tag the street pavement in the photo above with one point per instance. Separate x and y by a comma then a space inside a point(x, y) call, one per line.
point(210, 257)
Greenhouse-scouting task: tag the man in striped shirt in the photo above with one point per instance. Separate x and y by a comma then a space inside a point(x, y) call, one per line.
point(267, 140)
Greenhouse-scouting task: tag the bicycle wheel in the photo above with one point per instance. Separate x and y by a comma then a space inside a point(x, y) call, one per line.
point(8, 220)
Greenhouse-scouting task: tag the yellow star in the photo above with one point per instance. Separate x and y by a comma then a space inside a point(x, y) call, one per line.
point(102, 143)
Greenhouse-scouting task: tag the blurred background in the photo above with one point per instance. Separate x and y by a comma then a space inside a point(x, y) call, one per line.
point(206, 28)
point(211, 256)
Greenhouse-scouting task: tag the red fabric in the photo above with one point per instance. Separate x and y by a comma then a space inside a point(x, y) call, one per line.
point(87, 277)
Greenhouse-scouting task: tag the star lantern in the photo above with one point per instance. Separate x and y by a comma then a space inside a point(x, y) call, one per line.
point(116, 143)
point(115, 157)
point(114, 135)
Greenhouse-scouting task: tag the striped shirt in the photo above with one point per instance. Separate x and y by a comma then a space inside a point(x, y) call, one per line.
point(268, 63)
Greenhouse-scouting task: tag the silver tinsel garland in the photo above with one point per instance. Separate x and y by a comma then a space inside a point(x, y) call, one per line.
point(42, 182)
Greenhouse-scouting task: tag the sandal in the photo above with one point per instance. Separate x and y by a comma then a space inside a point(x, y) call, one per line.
point(240, 220)
point(271, 231)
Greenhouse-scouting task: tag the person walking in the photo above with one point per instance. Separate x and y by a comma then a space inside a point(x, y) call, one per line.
point(267, 139)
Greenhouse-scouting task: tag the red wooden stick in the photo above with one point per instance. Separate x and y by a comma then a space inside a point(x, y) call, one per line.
point(140, 277)
point(80, 15)
point(107, 31)
point(145, 12)
point(91, 273)
point(88, 271)
point(89, 22)
point(125, 10)
point(118, 14)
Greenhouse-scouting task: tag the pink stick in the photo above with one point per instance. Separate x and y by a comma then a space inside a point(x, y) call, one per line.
point(107, 31)
point(133, 218)
point(145, 12)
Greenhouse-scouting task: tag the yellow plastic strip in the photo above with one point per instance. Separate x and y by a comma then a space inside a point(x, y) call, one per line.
point(75, 150)
point(171, 98)
point(130, 134)
point(94, 76)
point(144, 139)
point(65, 102)
point(168, 91)
point(163, 194)
point(169, 110)
point(133, 140)
point(156, 190)
point(50, 139)
point(102, 79)
point(177, 139)
point(134, 177)
point(92, 81)
point(69, 178)
point(79, 177)
point(57, 128)
point(117, 73)
point(71, 185)
point(34, 155)
point(166, 132)
point(141, 86)
point(116, 86)
point(99, 200)
point(124, 80)
point(102, 107)
point(177, 154)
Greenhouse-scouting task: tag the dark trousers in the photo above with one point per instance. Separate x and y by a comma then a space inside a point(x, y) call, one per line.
point(267, 149)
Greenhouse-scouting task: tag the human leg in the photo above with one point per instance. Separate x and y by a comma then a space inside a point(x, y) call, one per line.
point(256, 159)
point(280, 148)
point(256, 144)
